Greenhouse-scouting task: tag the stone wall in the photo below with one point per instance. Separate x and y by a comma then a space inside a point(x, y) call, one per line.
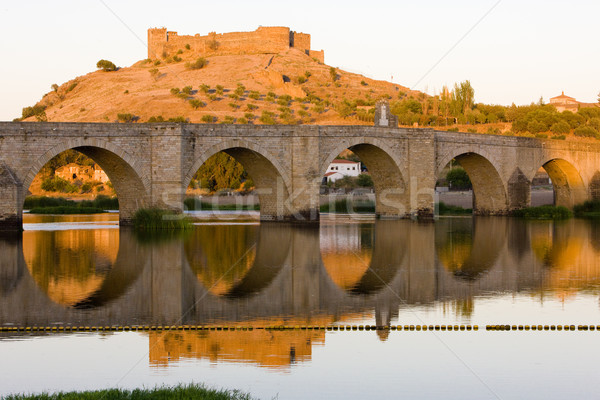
point(162, 42)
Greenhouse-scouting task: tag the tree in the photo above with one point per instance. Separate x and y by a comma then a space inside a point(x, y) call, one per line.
point(458, 179)
point(106, 65)
point(463, 97)
point(333, 74)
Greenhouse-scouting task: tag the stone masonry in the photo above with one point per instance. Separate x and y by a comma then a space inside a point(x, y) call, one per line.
point(150, 165)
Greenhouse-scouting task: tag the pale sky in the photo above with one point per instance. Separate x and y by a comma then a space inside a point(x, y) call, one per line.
point(511, 51)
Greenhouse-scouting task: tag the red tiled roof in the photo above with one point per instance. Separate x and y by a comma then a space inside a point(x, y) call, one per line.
point(562, 96)
point(342, 161)
point(330, 173)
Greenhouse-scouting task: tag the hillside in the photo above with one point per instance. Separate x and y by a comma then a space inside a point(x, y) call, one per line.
point(311, 93)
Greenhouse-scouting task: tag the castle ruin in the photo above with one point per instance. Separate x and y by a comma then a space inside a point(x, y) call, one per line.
point(268, 40)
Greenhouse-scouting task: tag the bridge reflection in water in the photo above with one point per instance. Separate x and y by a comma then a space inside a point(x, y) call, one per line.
point(276, 274)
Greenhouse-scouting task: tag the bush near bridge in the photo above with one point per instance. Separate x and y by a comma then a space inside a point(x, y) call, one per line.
point(544, 212)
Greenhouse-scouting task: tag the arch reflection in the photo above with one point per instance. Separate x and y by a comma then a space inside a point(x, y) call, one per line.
point(363, 258)
point(82, 268)
point(237, 260)
point(469, 247)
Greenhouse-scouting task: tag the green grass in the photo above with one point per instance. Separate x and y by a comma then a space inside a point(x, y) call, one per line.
point(101, 201)
point(156, 219)
point(588, 209)
point(193, 204)
point(345, 206)
point(446, 209)
point(163, 393)
point(543, 212)
point(66, 210)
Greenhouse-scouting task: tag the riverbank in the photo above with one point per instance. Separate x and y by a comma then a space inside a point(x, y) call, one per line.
point(164, 393)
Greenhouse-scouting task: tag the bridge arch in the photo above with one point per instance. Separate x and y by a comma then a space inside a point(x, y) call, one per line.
point(392, 198)
point(569, 187)
point(273, 183)
point(489, 193)
point(131, 186)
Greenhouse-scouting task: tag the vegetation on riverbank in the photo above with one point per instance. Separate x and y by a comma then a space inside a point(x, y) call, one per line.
point(163, 393)
point(61, 205)
point(543, 212)
point(588, 209)
point(195, 204)
point(66, 210)
point(155, 219)
point(446, 209)
point(348, 206)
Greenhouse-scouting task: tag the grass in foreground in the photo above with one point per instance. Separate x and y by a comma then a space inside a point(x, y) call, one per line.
point(543, 212)
point(155, 219)
point(162, 393)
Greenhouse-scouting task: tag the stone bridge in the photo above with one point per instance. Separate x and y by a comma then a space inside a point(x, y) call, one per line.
point(151, 165)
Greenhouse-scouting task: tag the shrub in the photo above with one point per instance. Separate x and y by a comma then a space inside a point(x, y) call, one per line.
point(127, 117)
point(560, 127)
point(240, 90)
point(267, 118)
point(307, 74)
point(154, 73)
point(254, 95)
point(178, 119)
point(234, 106)
point(228, 119)
point(559, 137)
point(195, 103)
point(157, 62)
point(54, 87)
point(187, 46)
point(106, 65)
point(242, 121)
point(198, 64)
point(157, 219)
point(588, 209)
point(57, 184)
point(364, 180)
point(176, 59)
point(175, 91)
point(233, 96)
point(204, 88)
point(251, 107)
point(219, 89)
point(364, 83)
point(543, 212)
point(585, 131)
point(208, 118)
point(156, 119)
point(37, 111)
point(249, 116)
point(187, 90)
point(333, 74)
point(72, 86)
point(301, 79)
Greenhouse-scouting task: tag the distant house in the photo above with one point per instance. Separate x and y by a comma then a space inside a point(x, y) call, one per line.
point(564, 103)
point(340, 168)
point(72, 172)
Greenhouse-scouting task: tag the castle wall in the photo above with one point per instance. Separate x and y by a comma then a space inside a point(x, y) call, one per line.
point(263, 40)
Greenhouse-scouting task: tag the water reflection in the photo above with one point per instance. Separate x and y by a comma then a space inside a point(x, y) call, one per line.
point(376, 273)
point(271, 349)
point(70, 266)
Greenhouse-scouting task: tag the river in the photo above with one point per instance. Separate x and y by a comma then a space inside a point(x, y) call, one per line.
point(66, 271)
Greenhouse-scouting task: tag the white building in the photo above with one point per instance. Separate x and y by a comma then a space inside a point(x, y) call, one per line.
point(340, 168)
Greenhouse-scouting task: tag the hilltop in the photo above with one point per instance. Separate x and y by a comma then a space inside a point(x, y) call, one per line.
point(289, 85)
